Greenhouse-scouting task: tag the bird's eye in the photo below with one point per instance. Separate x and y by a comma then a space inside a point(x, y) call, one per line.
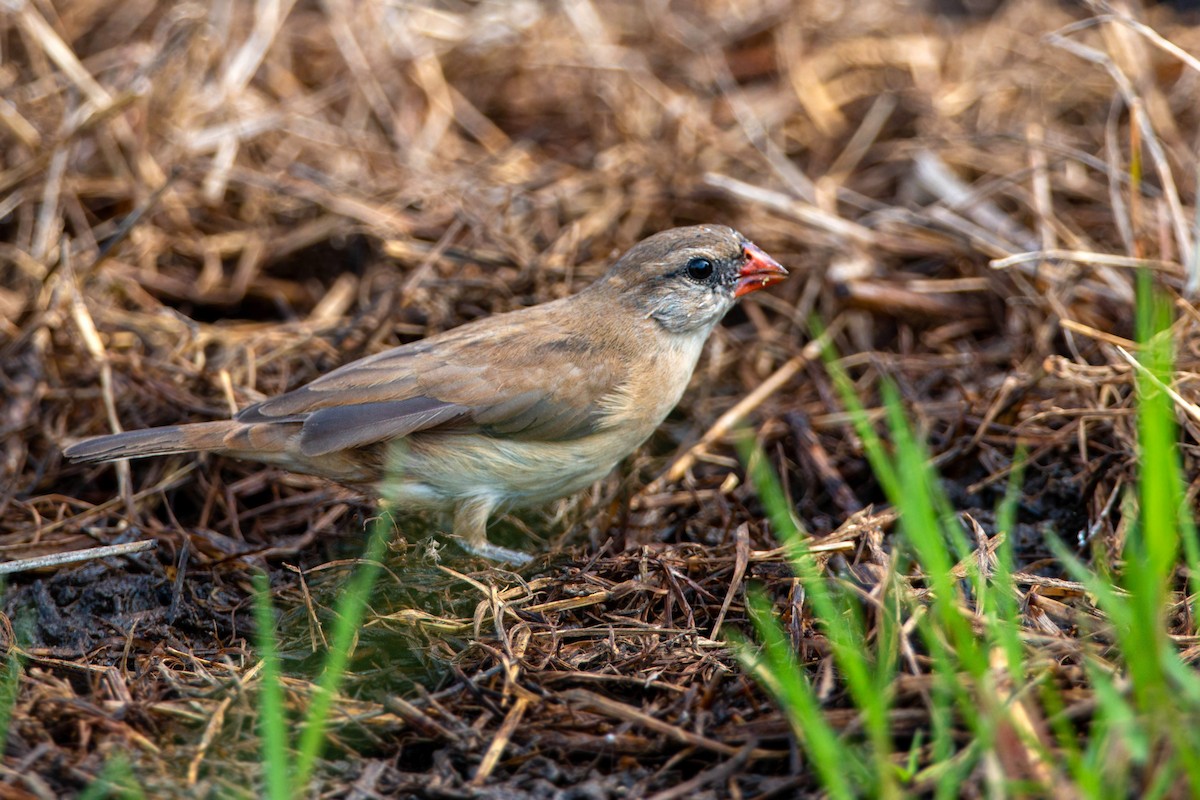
point(699, 269)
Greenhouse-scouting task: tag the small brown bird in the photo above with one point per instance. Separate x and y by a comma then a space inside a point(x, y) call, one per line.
point(508, 411)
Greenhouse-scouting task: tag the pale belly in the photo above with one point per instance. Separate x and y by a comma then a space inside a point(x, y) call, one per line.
point(439, 470)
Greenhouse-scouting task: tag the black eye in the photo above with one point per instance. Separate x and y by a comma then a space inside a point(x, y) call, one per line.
point(699, 269)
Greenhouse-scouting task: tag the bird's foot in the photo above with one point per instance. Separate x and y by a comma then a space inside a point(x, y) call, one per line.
point(494, 552)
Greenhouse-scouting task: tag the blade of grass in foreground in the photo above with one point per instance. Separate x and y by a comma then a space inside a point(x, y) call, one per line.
point(777, 667)
point(1000, 600)
point(284, 779)
point(272, 717)
point(114, 781)
point(351, 608)
point(1152, 551)
point(10, 683)
point(868, 679)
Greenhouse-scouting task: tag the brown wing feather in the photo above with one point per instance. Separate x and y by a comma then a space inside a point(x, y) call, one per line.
point(342, 427)
point(483, 377)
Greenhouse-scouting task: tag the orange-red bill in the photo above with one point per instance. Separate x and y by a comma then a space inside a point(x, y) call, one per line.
point(759, 271)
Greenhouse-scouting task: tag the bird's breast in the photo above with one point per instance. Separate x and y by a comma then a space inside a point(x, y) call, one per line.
point(654, 385)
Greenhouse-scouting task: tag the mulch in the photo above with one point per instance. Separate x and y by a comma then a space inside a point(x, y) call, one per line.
point(204, 206)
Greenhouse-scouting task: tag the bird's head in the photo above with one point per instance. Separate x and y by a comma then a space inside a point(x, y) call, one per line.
point(686, 279)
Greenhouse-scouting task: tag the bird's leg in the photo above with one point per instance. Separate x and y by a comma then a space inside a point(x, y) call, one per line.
point(470, 528)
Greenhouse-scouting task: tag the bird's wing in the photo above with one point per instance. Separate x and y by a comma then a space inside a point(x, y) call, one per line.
point(523, 376)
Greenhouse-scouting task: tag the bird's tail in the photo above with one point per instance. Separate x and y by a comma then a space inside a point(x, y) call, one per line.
point(199, 437)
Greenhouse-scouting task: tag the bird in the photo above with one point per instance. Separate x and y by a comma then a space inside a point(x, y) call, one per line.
point(508, 411)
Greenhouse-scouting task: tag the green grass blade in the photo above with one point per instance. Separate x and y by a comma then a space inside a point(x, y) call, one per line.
point(838, 616)
point(116, 780)
point(350, 610)
point(10, 684)
point(1001, 603)
point(877, 454)
point(778, 668)
point(272, 717)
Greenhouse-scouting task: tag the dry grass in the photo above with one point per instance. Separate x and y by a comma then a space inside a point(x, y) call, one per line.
point(202, 206)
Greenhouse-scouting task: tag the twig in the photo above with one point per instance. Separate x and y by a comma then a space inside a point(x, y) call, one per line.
point(1085, 257)
point(496, 748)
point(1158, 155)
point(95, 347)
point(931, 172)
point(741, 540)
point(91, 554)
point(612, 708)
point(712, 776)
point(1188, 407)
point(806, 213)
point(733, 416)
point(1155, 38)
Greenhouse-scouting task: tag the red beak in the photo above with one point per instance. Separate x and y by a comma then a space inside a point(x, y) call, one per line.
point(760, 270)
